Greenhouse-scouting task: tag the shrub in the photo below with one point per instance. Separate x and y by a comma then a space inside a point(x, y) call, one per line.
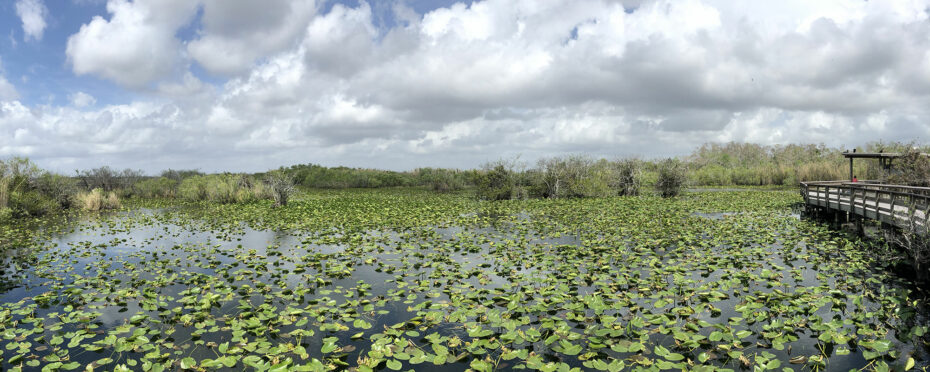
point(179, 174)
point(552, 177)
point(711, 175)
point(193, 188)
point(912, 169)
point(21, 189)
point(223, 188)
point(671, 173)
point(31, 203)
point(595, 181)
point(572, 176)
point(98, 200)
point(318, 176)
point(281, 187)
point(161, 187)
point(217, 188)
point(498, 181)
point(441, 180)
point(110, 179)
point(59, 188)
point(627, 176)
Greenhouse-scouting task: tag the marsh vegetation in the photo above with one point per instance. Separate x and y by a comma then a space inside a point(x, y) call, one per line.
point(399, 279)
point(574, 264)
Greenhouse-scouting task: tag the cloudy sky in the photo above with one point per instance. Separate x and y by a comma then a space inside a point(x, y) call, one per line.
point(247, 85)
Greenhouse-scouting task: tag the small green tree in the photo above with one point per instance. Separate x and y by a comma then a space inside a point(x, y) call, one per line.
point(498, 181)
point(671, 178)
point(20, 192)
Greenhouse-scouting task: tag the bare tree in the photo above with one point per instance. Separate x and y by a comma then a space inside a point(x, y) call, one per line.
point(127, 178)
point(554, 173)
point(109, 179)
point(281, 185)
point(914, 240)
point(102, 178)
point(628, 174)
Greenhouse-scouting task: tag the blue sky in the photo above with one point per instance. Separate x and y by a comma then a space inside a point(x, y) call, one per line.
point(42, 65)
point(246, 86)
point(39, 67)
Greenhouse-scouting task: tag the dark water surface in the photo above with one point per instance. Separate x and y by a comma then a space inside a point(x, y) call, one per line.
point(163, 290)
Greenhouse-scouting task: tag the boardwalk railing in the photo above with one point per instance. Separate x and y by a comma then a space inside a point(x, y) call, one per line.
point(901, 206)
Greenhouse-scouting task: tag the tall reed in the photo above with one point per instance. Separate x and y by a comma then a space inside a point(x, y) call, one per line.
point(97, 200)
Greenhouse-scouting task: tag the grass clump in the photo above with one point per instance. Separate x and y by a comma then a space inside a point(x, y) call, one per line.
point(573, 176)
point(98, 200)
point(223, 188)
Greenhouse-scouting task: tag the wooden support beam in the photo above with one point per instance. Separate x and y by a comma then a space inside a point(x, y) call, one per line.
point(850, 169)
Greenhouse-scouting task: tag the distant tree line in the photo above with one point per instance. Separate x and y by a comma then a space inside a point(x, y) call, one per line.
point(26, 190)
point(321, 177)
point(578, 176)
point(712, 164)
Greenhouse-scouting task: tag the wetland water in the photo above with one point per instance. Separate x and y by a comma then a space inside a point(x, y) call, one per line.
point(444, 283)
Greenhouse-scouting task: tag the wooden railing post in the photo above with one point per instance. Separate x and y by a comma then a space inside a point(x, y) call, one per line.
point(894, 198)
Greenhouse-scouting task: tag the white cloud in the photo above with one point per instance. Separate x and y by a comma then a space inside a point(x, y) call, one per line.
point(32, 13)
point(7, 90)
point(81, 99)
point(342, 41)
point(466, 84)
point(136, 46)
point(237, 33)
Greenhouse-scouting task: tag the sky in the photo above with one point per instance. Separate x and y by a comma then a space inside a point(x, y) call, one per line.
point(243, 85)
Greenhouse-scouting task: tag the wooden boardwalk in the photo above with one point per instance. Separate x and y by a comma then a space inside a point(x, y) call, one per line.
point(901, 206)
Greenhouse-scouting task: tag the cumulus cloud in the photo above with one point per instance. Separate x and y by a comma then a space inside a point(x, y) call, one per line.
point(468, 83)
point(136, 46)
point(237, 33)
point(32, 13)
point(7, 90)
point(81, 99)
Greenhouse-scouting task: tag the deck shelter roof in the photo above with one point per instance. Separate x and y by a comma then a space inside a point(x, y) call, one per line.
point(884, 158)
point(875, 155)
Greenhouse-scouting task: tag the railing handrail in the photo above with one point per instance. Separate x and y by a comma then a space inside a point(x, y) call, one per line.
point(910, 191)
point(898, 205)
point(839, 182)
